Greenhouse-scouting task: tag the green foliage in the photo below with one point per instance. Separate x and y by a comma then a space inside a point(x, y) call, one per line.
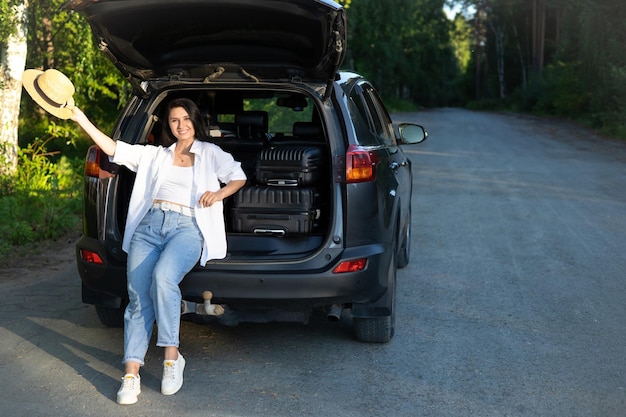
point(460, 37)
point(404, 48)
point(613, 121)
point(7, 18)
point(60, 39)
point(561, 91)
point(282, 118)
point(42, 200)
point(584, 66)
point(395, 105)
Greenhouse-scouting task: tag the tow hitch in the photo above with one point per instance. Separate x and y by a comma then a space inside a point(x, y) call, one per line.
point(205, 309)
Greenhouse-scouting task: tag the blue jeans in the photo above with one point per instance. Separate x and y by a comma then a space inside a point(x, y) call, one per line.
point(165, 246)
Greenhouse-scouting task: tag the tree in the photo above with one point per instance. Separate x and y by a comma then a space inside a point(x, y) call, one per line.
point(512, 36)
point(480, 37)
point(61, 39)
point(596, 41)
point(13, 59)
point(404, 48)
point(538, 33)
point(501, 21)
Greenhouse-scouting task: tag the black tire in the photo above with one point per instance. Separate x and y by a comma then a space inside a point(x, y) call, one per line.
point(404, 254)
point(111, 317)
point(380, 329)
point(374, 329)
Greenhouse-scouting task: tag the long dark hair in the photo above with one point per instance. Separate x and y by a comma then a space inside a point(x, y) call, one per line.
point(194, 114)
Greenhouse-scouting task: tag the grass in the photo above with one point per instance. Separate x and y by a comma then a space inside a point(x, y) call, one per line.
point(39, 202)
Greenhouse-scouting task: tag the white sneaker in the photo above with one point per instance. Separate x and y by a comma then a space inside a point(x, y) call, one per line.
point(172, 375)
point(131, 387)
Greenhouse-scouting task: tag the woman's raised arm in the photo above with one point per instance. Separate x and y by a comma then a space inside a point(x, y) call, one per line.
point(103, 141)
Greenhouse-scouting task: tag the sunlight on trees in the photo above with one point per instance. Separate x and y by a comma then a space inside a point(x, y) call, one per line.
point(12, 60)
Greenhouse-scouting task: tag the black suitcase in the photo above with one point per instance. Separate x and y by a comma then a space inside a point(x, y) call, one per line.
point(290, 165)
point(274, 211)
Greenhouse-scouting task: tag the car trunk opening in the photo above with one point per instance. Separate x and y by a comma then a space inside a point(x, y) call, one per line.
point(284, 211)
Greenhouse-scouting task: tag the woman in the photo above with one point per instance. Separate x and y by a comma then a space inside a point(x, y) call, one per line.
point(175, 217)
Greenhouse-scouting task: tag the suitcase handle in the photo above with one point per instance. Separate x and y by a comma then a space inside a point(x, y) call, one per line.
point(278, 232)
point(282, 182)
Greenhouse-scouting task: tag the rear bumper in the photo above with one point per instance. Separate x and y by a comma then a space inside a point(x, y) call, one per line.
point(249, 285)
point(103, 284)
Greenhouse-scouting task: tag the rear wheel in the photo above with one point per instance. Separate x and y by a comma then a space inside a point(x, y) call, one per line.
point(380, 329)
point(111, 317)
point(374, 329)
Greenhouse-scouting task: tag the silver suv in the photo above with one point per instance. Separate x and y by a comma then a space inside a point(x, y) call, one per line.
point(325, 218)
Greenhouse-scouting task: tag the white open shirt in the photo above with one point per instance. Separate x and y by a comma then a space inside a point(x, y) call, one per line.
point(212, 167)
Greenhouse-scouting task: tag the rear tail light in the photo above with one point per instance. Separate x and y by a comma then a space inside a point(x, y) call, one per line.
point(360, 165)
point(354, 265)
point(92, 163)
point(91, 257)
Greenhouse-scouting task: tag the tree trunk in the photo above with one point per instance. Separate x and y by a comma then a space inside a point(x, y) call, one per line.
point(481, 39)
point(499, 35)
point(48, 35)
point(522, 61)
point(538, 33)
point(13, 60)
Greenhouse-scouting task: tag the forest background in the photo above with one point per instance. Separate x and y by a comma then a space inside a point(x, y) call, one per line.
point(563, 58)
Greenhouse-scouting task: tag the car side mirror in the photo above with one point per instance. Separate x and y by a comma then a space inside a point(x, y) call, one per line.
point(412, 133)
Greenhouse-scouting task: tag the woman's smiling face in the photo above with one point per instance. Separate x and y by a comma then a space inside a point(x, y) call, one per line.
point(181, 125)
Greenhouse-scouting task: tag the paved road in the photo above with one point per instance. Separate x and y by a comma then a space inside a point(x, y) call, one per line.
point(513, 304)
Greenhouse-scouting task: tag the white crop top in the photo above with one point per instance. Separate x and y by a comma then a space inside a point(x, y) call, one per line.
point(177, 187)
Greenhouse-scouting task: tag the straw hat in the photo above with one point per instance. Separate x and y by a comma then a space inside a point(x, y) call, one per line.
point(52, 90)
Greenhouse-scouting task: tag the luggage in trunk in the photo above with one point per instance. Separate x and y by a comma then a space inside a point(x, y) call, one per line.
point(290, 165)
point(274, 211)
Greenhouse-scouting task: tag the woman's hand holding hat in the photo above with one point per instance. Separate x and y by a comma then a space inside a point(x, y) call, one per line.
point(52, 90)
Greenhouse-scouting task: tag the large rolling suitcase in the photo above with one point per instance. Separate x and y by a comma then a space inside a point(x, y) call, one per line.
point(274, 211)
point(290, 165)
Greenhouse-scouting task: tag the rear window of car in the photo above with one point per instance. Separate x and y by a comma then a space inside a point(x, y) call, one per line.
point(221, 108)
point(280, 119)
